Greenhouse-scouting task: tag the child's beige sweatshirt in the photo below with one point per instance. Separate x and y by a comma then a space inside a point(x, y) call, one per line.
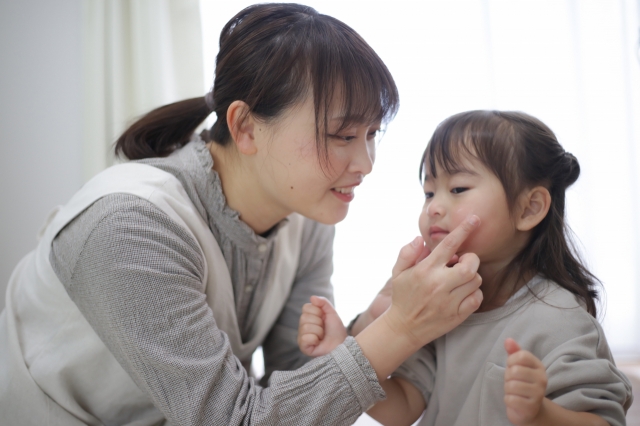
point(461, 374)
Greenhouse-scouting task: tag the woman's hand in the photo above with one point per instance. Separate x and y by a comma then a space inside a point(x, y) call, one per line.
point(320, 330)
point(525, 384)
point(428, 300)
point(410, 255)
point(432, 298)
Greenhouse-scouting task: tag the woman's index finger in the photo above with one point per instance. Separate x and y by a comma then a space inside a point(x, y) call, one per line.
point(449, 246)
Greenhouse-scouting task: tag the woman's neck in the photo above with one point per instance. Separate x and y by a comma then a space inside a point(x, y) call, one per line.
point(242, 190)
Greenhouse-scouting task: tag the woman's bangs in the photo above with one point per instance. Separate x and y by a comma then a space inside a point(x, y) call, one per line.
point(356, 81)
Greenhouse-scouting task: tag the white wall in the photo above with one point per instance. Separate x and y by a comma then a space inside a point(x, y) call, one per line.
point(40, 119)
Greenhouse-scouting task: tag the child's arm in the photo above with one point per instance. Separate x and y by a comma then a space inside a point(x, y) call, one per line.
point(403, 406)
point(320, 329)
point(525, 383)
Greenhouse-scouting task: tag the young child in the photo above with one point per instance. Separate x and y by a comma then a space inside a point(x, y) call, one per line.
point(533, 353)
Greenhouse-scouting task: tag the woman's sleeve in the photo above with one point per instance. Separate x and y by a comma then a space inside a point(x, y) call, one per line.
point(136, 276)
point(582, 377)
point(313, 277)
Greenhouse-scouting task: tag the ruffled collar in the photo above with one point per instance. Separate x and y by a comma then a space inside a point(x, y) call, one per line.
point(218, 213)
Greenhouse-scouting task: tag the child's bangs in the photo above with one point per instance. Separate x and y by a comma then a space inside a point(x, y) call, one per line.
point(481, 135)
point(448, 148)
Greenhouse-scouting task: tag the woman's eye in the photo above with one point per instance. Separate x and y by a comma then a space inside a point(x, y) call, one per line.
point(458, 190)
point(373, 134)
point(428, 195)
point(343, 138)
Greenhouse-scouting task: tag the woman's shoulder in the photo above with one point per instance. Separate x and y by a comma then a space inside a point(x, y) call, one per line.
point(121, 219)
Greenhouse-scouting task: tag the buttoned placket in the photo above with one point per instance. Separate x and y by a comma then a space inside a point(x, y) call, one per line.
point(257, 262)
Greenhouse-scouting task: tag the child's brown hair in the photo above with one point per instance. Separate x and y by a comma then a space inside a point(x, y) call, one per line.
point(522, 152)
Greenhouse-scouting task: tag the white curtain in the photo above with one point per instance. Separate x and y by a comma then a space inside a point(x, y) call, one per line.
point(137, 55)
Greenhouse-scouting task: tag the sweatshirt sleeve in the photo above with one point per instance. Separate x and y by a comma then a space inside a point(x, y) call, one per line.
point(583, 377)
point(420, 370)
point(136, 276)
point(313, 277)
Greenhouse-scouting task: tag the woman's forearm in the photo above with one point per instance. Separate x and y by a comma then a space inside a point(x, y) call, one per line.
point(386, 346)
point(363, 320)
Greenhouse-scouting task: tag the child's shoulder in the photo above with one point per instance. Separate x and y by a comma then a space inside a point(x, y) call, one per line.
point(555, 317)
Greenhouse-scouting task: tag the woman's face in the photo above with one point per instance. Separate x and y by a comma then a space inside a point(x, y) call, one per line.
point(290, 170)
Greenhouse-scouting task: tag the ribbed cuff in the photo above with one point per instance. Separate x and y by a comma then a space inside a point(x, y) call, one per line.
point(359, 373)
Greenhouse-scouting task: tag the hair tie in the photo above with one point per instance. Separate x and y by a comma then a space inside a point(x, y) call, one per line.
point(211, 103)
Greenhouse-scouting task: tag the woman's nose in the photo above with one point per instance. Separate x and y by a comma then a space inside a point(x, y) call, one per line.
point(363, 157)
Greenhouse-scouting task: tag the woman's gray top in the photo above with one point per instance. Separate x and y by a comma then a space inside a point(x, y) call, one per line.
point(124, 262)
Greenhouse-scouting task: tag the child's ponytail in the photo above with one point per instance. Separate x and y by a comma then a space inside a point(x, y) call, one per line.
point(551, 251)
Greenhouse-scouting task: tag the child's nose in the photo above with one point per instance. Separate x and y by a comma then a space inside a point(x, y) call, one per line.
point(436, 207)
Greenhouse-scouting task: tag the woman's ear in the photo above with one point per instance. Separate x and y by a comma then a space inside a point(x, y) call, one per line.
point(241, 126)
point(533, 207)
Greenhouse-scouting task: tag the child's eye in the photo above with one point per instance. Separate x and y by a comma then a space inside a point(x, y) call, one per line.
point(428, 195)
point(458, 190)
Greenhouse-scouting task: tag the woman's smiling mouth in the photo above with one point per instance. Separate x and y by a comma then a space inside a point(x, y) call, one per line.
point(344, 193)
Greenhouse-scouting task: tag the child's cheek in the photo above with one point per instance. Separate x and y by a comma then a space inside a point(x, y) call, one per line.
point(459, 215)
point(423, 225)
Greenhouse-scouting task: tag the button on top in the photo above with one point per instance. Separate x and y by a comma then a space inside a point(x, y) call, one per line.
point(262, 248)
point(248, 289)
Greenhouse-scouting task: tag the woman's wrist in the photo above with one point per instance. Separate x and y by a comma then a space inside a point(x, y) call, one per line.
point(359, 323)
point(386, 346)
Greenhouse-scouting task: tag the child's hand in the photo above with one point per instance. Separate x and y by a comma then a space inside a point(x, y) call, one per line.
point(525, 384)
point(320, 330)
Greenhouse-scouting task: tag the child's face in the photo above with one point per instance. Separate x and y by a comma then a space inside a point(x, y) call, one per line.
point(473, 189)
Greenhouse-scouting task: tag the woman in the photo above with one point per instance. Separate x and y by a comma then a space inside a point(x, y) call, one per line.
point(150, 290)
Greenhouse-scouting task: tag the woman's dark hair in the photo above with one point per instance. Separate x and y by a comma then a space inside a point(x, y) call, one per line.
point(273, 56)
point(523, 153)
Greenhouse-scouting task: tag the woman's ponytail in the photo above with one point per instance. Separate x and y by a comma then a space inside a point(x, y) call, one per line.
point(163, 130)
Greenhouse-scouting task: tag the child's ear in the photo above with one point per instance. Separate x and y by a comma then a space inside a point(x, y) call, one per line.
point(533, 207)
point(241, 126)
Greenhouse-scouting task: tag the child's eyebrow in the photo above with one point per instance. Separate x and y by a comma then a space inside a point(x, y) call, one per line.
point(452, 172)
point(462, 170)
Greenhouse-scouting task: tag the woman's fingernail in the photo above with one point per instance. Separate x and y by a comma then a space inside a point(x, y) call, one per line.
point(416, 242)
point(474, 220)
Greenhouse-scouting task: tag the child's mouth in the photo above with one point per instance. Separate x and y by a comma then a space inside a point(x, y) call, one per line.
point(437, 233)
